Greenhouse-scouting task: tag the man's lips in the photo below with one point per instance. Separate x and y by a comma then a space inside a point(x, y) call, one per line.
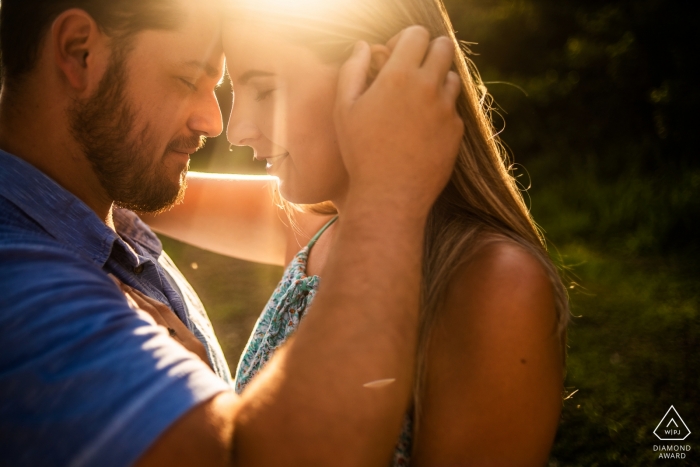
point(185, 150)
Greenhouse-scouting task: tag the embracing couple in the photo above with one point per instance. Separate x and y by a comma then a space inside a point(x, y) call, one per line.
point(419, 320)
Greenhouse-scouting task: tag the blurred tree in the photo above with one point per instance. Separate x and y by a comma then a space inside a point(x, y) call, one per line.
point(600, 99)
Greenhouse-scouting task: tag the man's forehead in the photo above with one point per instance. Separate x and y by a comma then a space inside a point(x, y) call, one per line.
point(213, 70)
point(201, 24)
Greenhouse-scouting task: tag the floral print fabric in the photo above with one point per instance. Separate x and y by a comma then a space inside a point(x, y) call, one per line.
point(279, 319)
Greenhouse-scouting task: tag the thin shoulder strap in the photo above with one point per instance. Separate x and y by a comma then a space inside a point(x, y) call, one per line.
point(320, 232)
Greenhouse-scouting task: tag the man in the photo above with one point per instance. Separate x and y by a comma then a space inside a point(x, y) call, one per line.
point(101, 105)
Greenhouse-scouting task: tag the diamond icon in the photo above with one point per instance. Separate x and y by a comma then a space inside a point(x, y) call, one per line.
point(672, 427)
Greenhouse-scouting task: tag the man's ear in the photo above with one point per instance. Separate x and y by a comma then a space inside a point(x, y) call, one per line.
point(76, 39)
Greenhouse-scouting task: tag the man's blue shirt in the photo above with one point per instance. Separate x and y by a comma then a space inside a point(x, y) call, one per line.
point(85, 380)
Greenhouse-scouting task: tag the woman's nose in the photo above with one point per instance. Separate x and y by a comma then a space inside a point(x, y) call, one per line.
point(241, 131)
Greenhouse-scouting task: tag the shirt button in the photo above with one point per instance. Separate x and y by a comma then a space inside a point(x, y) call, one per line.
point(138, 269)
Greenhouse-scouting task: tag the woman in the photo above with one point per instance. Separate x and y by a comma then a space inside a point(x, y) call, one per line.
point(494, 312)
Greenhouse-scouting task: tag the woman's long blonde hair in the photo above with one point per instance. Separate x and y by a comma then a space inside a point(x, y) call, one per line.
point(482, 202)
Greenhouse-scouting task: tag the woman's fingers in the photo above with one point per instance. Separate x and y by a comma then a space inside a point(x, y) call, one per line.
point(163, 316)
point(139, 300)
point(167, 318)
point(132, 303)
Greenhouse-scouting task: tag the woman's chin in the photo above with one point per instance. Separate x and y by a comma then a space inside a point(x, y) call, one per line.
point(297, 196)
point(288, 193)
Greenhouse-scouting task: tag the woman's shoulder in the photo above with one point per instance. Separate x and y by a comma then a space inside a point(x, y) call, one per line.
point(497, 256)
point(500, 279)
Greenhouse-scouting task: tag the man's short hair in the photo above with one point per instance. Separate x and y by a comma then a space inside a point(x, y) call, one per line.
point(24, 23)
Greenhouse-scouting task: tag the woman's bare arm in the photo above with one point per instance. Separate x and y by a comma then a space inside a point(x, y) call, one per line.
point(494, 381)
point(235, 215)
point(232, 215)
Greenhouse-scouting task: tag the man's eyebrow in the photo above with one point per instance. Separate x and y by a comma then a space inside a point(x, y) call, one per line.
point(210, 70)
point(250, 74)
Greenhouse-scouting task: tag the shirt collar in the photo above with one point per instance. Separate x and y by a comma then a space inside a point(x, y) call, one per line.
point(130, 226)
point(65, 217)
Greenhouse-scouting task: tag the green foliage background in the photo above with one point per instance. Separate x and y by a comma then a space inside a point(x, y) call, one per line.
point(600, 106)
point(600, 99)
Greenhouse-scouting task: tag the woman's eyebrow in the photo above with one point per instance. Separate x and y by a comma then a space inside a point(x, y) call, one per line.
point(250, 74)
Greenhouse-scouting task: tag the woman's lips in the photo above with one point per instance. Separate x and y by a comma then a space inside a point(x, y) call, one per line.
point(272, 160)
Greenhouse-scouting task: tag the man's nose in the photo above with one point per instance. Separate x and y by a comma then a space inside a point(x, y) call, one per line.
point(205, 118)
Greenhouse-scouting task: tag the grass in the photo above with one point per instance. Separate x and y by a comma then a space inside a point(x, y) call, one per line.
point(632, 353)
point(233, 291)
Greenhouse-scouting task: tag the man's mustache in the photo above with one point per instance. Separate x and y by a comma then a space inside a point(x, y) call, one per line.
point(187, 144)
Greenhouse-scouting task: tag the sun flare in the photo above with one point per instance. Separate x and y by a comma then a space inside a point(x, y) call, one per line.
point(298, 8)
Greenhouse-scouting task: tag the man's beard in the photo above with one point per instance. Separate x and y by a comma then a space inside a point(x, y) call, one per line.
point(122, 156)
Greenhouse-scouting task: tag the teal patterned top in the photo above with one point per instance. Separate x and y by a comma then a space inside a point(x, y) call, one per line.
point(281, 317)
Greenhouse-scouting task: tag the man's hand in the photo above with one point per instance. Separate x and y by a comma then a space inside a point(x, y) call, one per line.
point(399, 137)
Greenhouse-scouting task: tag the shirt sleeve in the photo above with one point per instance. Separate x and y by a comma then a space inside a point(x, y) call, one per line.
point(83, 379)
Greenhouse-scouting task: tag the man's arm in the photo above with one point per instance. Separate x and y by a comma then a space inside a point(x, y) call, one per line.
point(84, 380)
point(365, 318)
point(311, 406)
